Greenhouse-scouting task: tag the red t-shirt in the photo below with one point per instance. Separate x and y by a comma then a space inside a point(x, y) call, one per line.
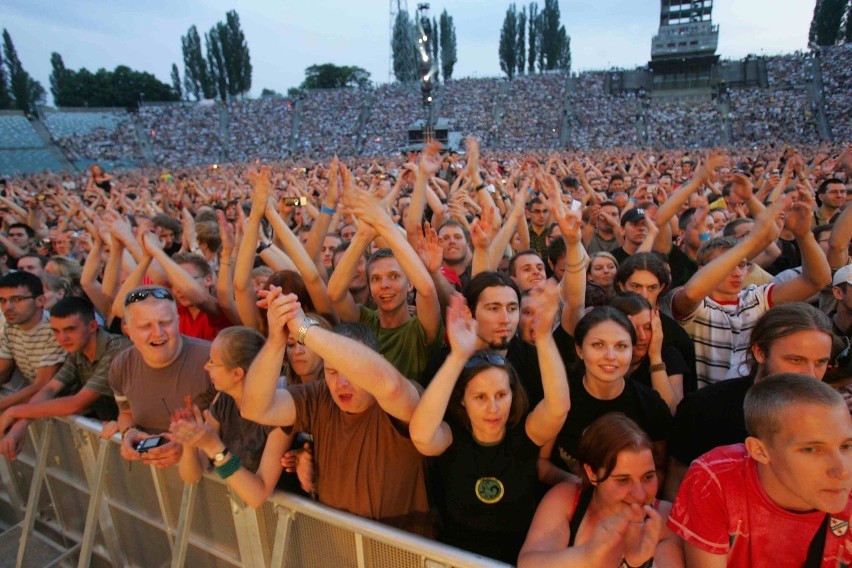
point(202, 326)
point(722, 508)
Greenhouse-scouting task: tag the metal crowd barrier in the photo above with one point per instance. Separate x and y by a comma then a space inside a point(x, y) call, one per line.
point(70, 499)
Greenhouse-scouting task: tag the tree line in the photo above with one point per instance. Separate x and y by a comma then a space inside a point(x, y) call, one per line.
point(224, 73)
point(533, 40)
point(223, 70)
point(17, 89)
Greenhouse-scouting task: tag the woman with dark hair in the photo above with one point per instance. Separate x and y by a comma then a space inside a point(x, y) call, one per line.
point(611, 519)
point(654, 364)
point(604, 342)
point(648, 274)
point(246, 454)
point(473, 416)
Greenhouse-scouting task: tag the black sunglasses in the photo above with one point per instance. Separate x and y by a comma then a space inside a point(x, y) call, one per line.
point(485, 358)
point(139, 295)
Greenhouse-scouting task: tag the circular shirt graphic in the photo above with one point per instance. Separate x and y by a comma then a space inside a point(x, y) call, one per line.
point(489, 489)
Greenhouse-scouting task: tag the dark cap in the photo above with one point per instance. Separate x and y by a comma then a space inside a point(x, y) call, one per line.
point(633, 216)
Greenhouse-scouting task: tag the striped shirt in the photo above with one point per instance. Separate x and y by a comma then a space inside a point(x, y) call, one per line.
point(31, 349)
point(721, 332)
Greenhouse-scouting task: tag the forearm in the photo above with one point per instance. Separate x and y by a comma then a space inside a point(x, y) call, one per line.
point(338, 284)
point(134, 280)
point(428, 416)
point(414, 215)
point(554, 381)
point(673, 204)
point(246, 252)
point(838, 241)
point(261, 381)
point(815, 267)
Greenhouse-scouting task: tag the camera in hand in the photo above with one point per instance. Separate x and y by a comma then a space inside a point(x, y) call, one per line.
point(149, 443)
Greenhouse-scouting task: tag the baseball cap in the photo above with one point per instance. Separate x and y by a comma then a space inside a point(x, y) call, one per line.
point(633, 216)
point(843, 276)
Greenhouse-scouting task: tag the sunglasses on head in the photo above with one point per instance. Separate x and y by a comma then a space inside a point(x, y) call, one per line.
point(485, 358)
point(139, 295)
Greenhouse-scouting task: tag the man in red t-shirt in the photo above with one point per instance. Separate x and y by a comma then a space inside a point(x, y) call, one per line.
point(764, 503)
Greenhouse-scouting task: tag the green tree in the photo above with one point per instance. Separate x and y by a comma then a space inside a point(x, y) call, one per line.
point(448, 45)
point(564, 61)
point(331, 76)
point(521, 58)
point(551, 39)
point(267, 93)
point(508, 42)
point(826, 23)
point(216, 62)
point(235, 52)
point(60, 80)
point(5, 96)
point(25, 91)
point(404, 49)
point(176, 81)
point(196, 78)
point(532, 52)
point(436, 41)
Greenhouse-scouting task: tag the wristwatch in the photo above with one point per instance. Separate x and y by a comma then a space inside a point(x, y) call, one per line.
point(307, 323)
point(220, 457)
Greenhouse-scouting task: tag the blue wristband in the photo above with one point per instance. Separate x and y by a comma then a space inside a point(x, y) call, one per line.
point(328, 210)
point(704, 237)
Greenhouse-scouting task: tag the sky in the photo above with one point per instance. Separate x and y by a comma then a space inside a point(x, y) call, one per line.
point(285, 37)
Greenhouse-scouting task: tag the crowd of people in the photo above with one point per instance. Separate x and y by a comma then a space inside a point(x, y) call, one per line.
point(600, 358)
point(526, 113)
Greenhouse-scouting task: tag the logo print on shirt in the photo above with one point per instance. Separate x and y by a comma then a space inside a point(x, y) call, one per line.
point(838, 526)
point(489, 490)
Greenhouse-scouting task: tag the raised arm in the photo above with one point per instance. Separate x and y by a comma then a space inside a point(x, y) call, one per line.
point(263, 402)
point(429, 433)
point(816, 273)
point(360, 365)
point(244, 294)
point(338, 284)
point(304, 263)
point(709, 276)
point(838, 242)
point(572, 288)
point(547, 418)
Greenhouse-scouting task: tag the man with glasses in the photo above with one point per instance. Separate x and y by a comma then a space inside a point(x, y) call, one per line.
point(719, 314)
point(832, 196)
point(26, 343)
point(539, 226)
point(19, 241)
point(157, 375)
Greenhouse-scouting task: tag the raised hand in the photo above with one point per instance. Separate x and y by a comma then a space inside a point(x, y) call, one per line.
point(461, 327)
point(425, 241)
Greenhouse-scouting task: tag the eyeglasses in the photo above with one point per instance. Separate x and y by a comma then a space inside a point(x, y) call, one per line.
point(14, 300)
point(139, 295)
point(485, 358)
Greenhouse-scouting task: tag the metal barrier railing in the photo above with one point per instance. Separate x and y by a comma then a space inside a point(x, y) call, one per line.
point(70, 493)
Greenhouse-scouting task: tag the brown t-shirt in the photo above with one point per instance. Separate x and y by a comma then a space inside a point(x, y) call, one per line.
point(154, 393)
point(365, 463)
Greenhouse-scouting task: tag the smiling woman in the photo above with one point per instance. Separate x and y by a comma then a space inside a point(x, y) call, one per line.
point(488, 446)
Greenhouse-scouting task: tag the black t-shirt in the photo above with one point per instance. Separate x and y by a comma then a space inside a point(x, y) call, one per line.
point(683, 268)
point(637, 401)
point(486, 493)
point(620, 255)
point(523, 357)
point(790, 257)
point(708, 418)
point(675, 336)
point(675, 365)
